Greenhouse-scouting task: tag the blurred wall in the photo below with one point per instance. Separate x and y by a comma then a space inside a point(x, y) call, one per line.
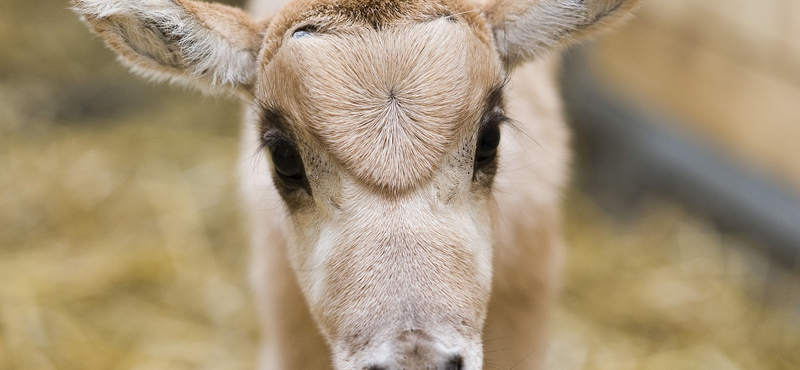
point(730, 71)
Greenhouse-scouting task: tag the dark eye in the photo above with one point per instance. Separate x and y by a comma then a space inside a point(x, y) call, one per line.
point(287, 163)
point(486, 149)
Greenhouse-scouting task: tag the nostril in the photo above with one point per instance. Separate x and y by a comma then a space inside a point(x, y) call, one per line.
point(375, 367)
point(455, 363)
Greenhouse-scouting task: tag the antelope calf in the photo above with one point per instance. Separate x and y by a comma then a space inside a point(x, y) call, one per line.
point(390, 220)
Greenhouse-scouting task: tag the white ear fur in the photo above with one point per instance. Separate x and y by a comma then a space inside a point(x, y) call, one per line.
point(178, 40)
point(524, 29)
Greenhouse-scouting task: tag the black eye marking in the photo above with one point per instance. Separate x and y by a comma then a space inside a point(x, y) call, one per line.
point(272, 123)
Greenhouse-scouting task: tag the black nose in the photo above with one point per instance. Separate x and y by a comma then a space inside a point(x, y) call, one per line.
point(454, 363)
point(416, 349)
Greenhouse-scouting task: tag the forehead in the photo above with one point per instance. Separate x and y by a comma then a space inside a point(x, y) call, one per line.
point(388, 96)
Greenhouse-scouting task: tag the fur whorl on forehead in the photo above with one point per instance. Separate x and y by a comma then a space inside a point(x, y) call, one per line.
point(389, 115)
point(388, 88)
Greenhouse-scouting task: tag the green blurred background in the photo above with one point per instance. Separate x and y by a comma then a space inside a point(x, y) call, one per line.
point(121, 245)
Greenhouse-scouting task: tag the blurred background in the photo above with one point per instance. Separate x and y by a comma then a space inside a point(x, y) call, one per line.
point(121, 245)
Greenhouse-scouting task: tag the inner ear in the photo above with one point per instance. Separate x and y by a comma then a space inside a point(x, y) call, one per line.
point(525, 29)
point(205, 44)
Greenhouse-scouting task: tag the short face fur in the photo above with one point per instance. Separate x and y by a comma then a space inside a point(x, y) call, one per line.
point(382, 121)
point(390, 233)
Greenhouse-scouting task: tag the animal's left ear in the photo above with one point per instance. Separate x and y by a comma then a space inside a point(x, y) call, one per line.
point(183, 40)
point(524, 29)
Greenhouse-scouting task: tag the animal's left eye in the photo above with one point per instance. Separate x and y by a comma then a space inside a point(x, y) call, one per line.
point(287, 163)
point(486, 149)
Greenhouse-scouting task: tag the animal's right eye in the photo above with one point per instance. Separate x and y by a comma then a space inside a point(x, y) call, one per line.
point(287, 163)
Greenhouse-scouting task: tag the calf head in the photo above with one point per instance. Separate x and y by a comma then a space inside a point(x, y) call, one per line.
point(382, 121)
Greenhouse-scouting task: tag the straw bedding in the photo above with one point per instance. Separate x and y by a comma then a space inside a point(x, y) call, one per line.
point(121, 245)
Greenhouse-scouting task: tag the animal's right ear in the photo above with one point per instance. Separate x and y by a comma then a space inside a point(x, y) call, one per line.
point(181, 40)
point(525, 29)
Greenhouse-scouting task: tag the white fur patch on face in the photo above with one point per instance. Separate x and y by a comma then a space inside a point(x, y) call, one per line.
point(315, 270)
point(380, 264)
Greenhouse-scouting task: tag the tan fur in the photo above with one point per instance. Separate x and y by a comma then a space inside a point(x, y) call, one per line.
point(383, 256)
point(357, 116)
